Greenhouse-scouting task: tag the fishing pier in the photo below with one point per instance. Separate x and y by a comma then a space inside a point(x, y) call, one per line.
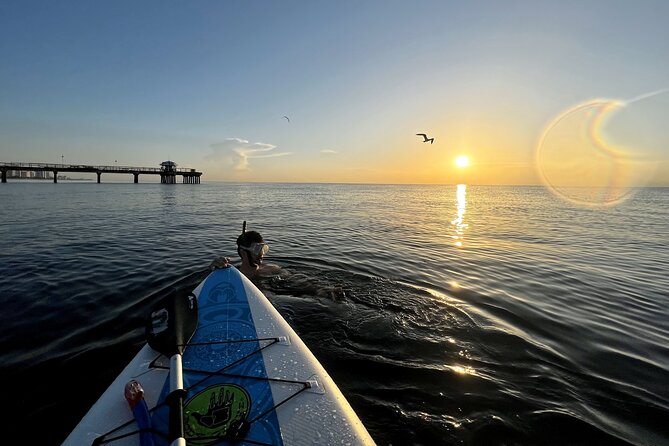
point(168, 171)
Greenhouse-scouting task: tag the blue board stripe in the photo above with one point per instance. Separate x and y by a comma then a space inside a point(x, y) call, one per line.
point(213, 404)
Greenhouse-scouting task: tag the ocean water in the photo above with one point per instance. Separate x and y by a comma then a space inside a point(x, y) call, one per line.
point(446, 314)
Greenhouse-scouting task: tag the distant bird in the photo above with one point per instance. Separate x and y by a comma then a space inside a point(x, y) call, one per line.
point(425, 138)
point(287, 118)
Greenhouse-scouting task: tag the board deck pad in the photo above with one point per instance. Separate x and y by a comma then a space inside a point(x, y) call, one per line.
point(226, 345)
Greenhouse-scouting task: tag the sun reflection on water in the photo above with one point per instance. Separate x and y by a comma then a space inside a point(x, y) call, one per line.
point(463, 370)
point(459, 222)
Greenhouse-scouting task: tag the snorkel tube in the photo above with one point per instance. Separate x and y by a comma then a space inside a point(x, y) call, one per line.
point(239, 239)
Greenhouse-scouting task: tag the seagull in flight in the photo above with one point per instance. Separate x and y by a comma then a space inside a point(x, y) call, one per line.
point(287, 118)
point(425, 138)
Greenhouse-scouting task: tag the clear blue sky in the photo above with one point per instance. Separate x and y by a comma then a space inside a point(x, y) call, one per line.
point(207, 83)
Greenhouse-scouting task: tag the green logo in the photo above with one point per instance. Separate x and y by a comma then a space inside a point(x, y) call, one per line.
point(209, 415)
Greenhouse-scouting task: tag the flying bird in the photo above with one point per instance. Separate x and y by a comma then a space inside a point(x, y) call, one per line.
point(287, 118)
point(425, 138)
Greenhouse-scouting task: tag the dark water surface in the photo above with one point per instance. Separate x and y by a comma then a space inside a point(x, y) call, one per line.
point(447, 315)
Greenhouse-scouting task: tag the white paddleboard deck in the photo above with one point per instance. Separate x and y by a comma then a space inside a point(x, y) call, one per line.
point(243, 362)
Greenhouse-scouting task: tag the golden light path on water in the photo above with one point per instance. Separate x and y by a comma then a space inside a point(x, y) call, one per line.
point(459, 222)
point(459, 227)
point(578, 163)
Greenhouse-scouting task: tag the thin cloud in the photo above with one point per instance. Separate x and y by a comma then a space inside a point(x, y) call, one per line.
point(328, 151)
point(240, 152)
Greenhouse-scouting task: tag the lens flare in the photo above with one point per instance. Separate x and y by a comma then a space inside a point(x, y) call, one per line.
point(580, 163)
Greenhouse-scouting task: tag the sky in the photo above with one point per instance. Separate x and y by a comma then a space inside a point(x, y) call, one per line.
point(336, 91)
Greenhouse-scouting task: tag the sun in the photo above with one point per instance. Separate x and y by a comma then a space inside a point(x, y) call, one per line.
point(462, 161)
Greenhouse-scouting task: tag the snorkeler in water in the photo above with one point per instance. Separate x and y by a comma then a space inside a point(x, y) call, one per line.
point(251, 249)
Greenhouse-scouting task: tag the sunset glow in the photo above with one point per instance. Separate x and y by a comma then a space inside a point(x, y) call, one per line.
point(339, 116)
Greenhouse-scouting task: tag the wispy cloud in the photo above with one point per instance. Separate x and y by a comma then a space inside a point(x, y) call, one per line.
point(241, 152)
point(328, 151)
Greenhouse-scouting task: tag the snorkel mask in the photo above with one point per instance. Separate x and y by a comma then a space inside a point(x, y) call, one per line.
point(256, 248)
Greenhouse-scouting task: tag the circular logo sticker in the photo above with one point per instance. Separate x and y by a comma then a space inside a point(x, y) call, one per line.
point(210, 413)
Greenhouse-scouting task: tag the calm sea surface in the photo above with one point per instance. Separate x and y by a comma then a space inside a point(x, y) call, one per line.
point(447, 315)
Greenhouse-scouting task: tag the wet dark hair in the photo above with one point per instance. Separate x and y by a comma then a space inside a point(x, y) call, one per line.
point(249, 237)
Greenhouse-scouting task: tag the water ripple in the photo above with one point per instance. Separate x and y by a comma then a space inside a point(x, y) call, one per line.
point(464, 315)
